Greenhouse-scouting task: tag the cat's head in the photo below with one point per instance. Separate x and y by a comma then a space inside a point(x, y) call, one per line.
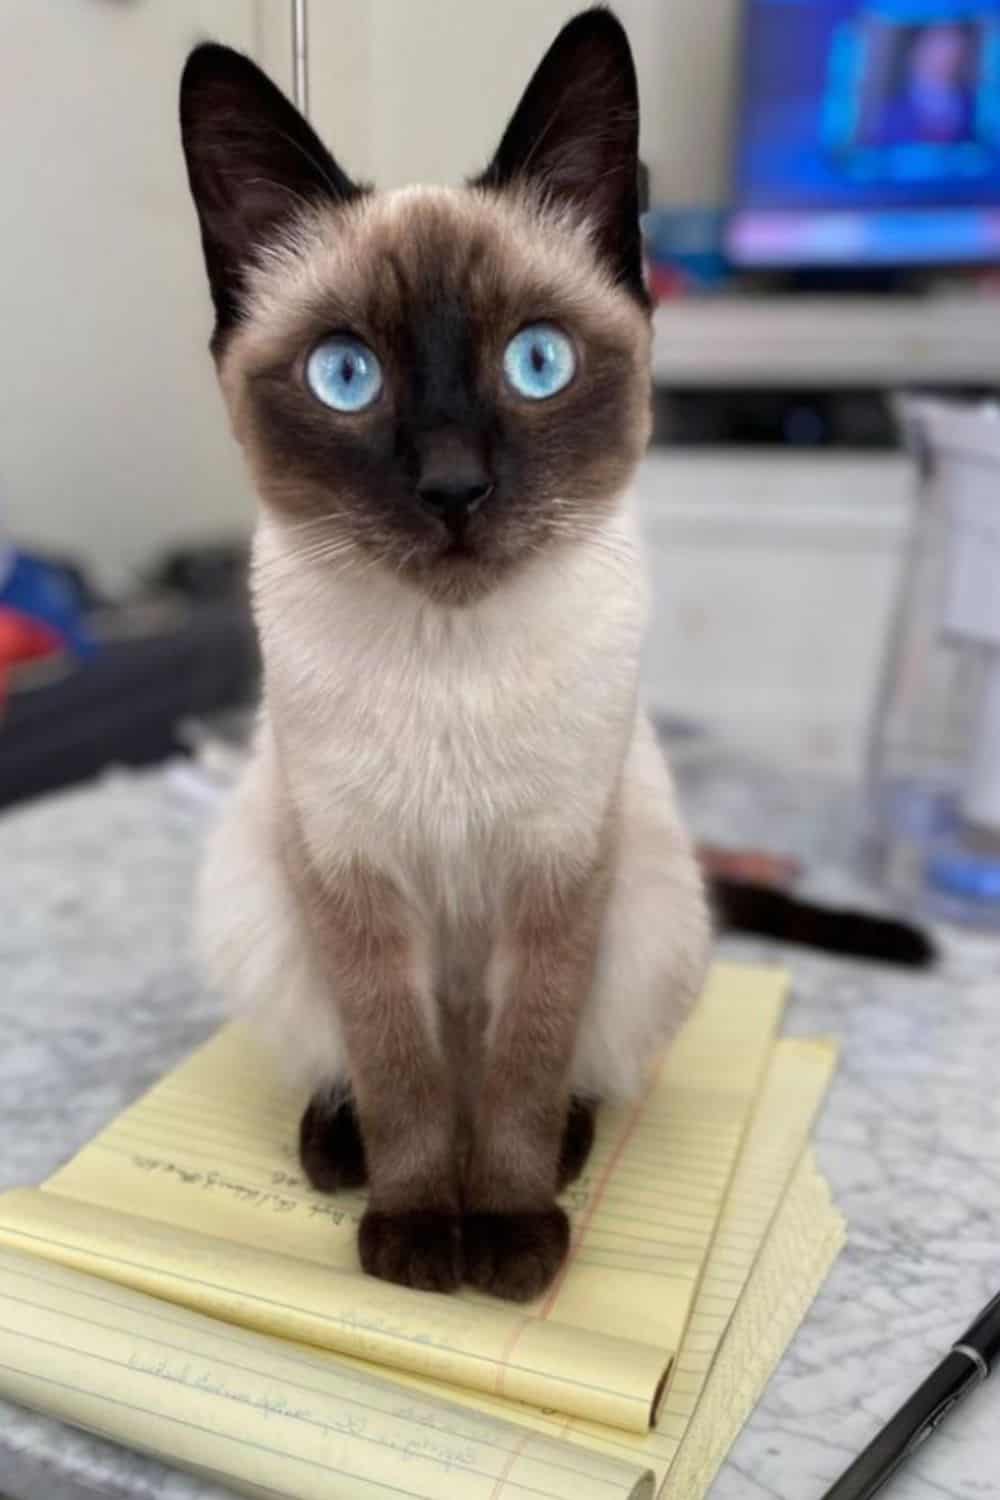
point(440, 381)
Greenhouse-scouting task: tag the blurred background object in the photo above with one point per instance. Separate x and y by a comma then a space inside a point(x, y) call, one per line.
point(822, 195)
point(685, 251)
point(867, 137)
point(846, 249)
point(936, 744)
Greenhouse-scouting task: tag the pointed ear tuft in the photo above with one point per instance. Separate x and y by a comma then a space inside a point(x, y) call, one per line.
point(253, 162)
point(575, 136)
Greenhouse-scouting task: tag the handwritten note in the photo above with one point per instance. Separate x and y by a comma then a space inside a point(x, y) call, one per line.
point(258, 1415)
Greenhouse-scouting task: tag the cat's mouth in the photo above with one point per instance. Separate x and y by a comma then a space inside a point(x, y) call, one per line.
point(457, 568)
point(464, 540)
point(461, 527)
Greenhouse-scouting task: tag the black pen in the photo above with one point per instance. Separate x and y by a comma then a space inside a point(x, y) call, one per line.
point(968, 1364)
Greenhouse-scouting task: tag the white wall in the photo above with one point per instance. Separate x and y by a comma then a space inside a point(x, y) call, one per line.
point(685, 58)
point(113, 440)
point(420, 90)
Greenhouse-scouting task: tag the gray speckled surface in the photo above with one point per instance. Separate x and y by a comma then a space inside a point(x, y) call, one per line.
point(99, 994)
point(98, 997)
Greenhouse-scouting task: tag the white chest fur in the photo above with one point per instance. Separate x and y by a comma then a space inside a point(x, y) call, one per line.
point(432, 737)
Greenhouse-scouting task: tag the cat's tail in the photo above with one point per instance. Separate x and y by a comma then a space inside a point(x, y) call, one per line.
point(743, 906)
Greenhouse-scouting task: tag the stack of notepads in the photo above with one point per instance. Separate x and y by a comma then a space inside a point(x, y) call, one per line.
point(179, 1288)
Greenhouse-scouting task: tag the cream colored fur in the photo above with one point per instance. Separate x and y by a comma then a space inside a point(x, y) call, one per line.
point(453, 749)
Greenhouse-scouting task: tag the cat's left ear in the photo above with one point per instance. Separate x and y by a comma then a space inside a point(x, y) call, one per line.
point(575, 136)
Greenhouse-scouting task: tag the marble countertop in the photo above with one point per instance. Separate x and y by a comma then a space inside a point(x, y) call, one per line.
point(98, 997)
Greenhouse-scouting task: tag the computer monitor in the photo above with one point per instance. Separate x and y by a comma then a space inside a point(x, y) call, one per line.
point(867, 134)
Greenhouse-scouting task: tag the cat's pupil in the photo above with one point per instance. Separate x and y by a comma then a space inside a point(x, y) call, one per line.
point(537, 358)
point(348, 369)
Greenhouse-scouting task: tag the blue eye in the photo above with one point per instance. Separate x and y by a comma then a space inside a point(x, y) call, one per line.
point(539, 361)
point(344, 373)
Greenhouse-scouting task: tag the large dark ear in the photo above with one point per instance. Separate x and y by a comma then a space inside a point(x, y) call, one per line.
point(575, 134)
point(252, 161)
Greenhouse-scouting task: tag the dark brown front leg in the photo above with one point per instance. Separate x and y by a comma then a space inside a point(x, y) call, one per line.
point(331, 1150)
point(577, 1140)
point(378, 963)
point(516, 1236)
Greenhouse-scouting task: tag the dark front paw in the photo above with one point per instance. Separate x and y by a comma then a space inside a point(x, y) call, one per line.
point(421, 1249)
point(331, 1150)
point(515, 1256)
point(577, 1141)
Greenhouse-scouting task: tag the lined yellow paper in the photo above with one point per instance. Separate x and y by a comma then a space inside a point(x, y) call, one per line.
point(202, 1203)
point(702, 1230)
point(797, 1082)
point(759, 1206)
point(459, 1342)
point(796, 1258)
point(780, 1207)
point(261, 1416)
point(805, 1239)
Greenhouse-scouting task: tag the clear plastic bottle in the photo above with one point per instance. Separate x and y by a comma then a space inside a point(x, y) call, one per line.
point(935, 748)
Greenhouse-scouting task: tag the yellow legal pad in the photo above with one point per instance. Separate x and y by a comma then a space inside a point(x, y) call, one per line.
point(206, 1305)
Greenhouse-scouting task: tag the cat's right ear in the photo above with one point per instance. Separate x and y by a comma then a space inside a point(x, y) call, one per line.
point(253, 162)
point(575, 136)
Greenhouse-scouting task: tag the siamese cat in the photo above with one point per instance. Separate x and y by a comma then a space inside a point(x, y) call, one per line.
point(453, 887)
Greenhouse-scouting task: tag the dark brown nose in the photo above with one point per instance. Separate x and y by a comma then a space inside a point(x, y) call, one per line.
point(453, 479)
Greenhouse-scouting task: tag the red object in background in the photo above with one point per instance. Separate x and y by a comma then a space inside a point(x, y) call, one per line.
point(667, 283)
point(754, 866)
point(23, 639)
